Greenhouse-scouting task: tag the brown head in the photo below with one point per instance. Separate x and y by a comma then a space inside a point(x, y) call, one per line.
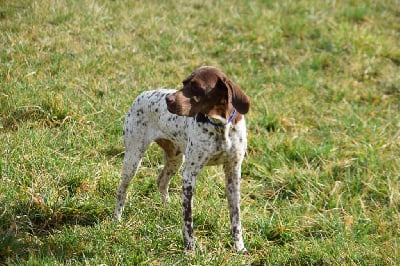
point(208, 91)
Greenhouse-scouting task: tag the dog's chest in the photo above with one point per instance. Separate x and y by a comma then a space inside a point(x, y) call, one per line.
point(218, 144)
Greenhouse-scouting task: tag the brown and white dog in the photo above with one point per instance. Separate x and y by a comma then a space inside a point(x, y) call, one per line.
point(203, 123)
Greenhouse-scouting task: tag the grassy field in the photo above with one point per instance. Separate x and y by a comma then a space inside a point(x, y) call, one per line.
point(321, 177)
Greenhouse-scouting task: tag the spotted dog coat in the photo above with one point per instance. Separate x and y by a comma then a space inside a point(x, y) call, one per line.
point(203, 123)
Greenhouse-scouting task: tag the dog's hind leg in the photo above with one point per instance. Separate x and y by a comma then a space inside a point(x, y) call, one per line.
point(132, 159)
point(173, 160)
point(135, 146)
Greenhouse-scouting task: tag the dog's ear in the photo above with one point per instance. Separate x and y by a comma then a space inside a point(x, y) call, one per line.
point(239, 100)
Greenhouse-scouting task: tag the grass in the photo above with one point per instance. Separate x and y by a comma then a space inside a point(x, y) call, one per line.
point(321, 177)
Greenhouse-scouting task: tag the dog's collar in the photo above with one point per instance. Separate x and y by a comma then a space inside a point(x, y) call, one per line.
point(208, 120)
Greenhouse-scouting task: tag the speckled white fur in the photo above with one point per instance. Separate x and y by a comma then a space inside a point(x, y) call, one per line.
point(199, 143)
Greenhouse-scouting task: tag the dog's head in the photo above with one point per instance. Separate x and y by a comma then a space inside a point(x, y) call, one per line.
point(208, 91)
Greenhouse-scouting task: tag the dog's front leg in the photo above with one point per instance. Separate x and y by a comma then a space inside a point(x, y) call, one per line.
point(233, 179)
point(189, 175)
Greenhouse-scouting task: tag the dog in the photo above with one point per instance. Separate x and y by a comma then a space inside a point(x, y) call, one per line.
point(202, 123)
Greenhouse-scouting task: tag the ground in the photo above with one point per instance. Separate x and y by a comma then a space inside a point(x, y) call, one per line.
point(321, 175)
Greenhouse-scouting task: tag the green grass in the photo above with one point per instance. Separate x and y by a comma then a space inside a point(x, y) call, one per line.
point(321, 177)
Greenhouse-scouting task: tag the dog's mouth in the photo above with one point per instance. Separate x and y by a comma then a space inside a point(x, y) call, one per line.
point(171, 108)
point(176, 110)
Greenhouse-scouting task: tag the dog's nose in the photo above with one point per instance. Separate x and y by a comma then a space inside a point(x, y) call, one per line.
point(170, 98)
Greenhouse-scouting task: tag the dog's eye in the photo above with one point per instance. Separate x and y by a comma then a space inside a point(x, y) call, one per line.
point(196, 91)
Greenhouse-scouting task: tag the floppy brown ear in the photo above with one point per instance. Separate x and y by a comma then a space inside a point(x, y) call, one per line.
point(239, 100)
